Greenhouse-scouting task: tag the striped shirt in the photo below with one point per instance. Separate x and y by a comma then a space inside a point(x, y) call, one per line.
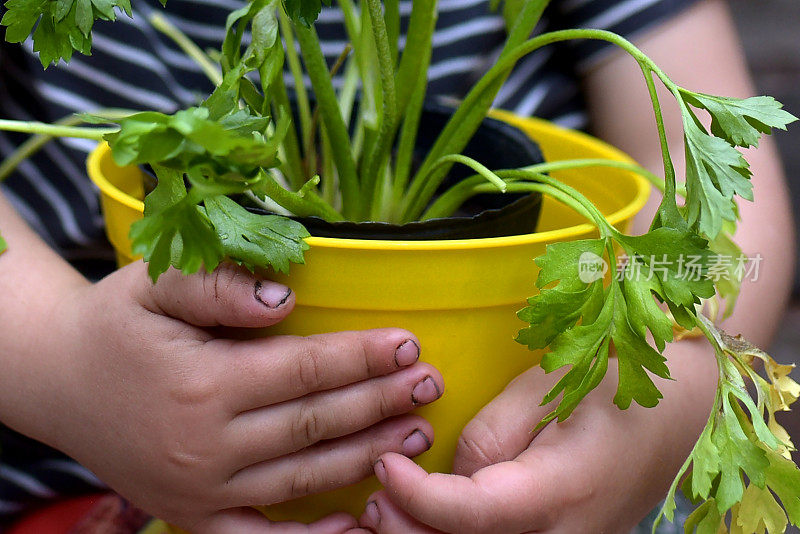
point(133, 66)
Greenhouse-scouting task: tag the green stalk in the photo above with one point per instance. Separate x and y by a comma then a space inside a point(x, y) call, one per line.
point(296, 69)
point(408, 138)
point(303, 205)
point(463, 124)
point(379, 152)
point(392, 21)
point(532, 187)
point(210, 69)
point(35, 143)
point(452, 200)
point(669, 169)
point(449, 201)
point(55, 130)
point(335, 126)
point(483, 92)
point(417, 53)
point(290, 145)
point(478, 167)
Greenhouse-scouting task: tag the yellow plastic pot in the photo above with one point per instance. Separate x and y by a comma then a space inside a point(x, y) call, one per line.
point(459, 297)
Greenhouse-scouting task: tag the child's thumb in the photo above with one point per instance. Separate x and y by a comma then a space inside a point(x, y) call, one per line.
point(229, 296)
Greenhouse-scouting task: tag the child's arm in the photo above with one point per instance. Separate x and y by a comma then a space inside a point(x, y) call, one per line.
point(604, 469)
point(121, 376)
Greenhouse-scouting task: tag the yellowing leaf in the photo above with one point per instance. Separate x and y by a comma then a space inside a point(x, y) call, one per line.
point(759, 511)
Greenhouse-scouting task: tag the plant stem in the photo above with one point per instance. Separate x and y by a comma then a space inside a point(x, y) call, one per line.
point(305, 205)
point(416, 57)
point(545, 189)
point(34, 144)
point(450, 200)
point(334, 124)
point(392, 21)
point(421, 191)
point(290, 144)
point(466, 120)
point(303, 106)
point(379, 153)
point(210, 69)
point(55, 130)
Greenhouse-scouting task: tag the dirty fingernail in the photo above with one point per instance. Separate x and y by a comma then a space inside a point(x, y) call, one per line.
point(272, 295)
point(380, 471)
point(373, 513)
point(416, 443)
point(407, 353)
point(425, 391)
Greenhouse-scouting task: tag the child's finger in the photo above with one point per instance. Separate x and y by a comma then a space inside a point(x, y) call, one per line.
point(381, 515)
point(327, 465)
point(505, 497)
point(250, 521)
point(329, 414)
point(229, 296)
point(262, 372)
point(492, 436)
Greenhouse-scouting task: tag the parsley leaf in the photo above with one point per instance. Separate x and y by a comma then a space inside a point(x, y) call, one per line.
point(715, 172)
point(3, 244)
point(256, 240)
point(304, 11)
point(741, 121)
point(741, 463)
point(64, 26)
point(174, 231)
point(231, 146)
point(581, 319)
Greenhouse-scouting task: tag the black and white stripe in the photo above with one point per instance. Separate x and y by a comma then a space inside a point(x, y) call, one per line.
point(133, 66)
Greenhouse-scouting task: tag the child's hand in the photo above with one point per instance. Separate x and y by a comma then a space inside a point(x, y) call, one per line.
point(600, 471)
point(193, 428)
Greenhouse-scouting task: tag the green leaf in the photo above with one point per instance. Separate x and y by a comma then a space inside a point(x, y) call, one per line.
point(555, 310)
point(635, 357)
point(741, 121)
point(679, 260)
point(304, 11)
point(580, 319)
point(256, 241)
point(3, 245)
point(174, 231)
point(64, 26)
point(231, 147)
point(644, 313)
point(715, 172)
point(20, 17)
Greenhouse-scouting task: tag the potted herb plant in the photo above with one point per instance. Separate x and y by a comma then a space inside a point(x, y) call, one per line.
point(347, 159)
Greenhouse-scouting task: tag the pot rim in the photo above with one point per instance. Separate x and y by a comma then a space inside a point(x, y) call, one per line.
point(643, 190)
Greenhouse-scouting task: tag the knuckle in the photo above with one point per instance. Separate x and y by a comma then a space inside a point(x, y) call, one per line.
point(479, 444)
point(194, 390)
point(218, 285)
point(307, 427)
point(386, 405)
point(310, 366)
point(303, 482)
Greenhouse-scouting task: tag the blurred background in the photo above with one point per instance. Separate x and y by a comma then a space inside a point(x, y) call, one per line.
point(770, 31)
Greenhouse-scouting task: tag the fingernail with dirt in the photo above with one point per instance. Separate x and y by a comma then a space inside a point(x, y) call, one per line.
point(407, 353)
point(373, 513)
point(416, 443)
point(272, 295)
point(380, 471)
point(425, 391)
